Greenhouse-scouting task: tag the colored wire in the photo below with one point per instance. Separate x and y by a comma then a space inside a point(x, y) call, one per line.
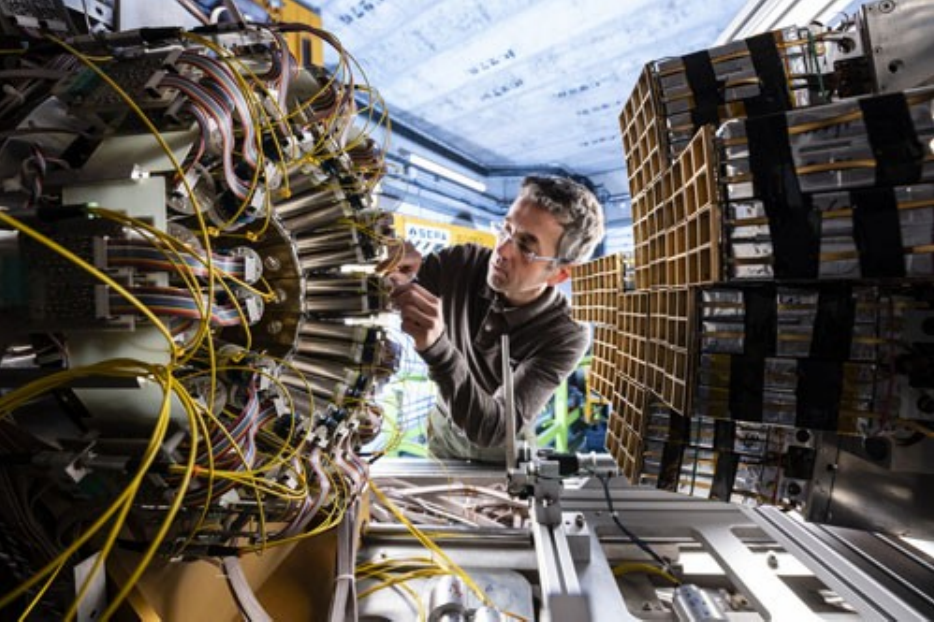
point(205, 240)
point(642, 544)
point(93, 271)
point(638, 567)
point(425, 541)
point(122, 500)
point(232, 445)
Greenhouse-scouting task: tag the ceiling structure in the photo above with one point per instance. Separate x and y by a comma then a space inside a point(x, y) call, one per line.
point(503, 88)
point(529, 84)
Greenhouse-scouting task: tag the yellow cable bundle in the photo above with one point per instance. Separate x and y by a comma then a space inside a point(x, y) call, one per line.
point(124, 501)
point(445, 561)
point(205, 240)
point(641, 567)
point(290, 454)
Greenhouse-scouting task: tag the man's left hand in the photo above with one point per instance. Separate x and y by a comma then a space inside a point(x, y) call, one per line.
point(421, 314)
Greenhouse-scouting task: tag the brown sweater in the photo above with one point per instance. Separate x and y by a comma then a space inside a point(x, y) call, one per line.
point(465, 362)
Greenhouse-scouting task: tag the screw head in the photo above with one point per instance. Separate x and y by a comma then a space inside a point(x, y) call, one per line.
point(272, 263)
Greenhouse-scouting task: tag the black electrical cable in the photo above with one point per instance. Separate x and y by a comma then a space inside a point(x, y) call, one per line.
point(642, 544)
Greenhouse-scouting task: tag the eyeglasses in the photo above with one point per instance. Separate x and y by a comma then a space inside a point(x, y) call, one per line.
point(505, 233)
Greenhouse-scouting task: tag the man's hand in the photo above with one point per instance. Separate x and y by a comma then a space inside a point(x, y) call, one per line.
point(402, 265)
point(421, 313)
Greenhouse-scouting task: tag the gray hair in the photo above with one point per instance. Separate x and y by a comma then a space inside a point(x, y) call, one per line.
point(574, 207)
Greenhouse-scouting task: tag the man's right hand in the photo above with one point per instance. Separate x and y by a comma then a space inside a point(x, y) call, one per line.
point(421, 313)
point(420, 309)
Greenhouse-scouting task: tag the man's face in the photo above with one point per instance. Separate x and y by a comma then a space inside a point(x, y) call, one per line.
point(512, 273)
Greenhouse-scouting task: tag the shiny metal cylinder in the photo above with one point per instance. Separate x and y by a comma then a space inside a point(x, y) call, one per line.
point(303, 179)
point(487, 614)
point(330, 370)
point(332, 286)
point(334, 330)
point(345, 351)
point(330, 260)
point(342, 304)
point(302, 402)
point(447, 600)
point(310, 201)
point(330, 240)
point(321, 388)
point(304, 218)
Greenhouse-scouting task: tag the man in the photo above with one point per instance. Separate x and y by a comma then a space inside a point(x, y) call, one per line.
point(465, 297)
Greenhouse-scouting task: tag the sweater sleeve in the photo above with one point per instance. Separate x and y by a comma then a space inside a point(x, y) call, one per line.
point(481, 415)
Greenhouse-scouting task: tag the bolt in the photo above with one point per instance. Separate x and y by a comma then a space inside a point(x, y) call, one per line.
point(886, 6)
point(272, 263)
point(274, 327)
point(579, 521)
point(772, 560)
point(846, 45)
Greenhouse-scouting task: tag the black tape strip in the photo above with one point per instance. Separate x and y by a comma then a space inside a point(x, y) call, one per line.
point(747, 383)
point(747, 371)
point(724, 476)
point(833, 325)
point(760, 308)
point(670, 471)
point(793, 223)
point(774, 96)
point(724, 431)
point(878, 233)
point(706, 90)
point(898, 152)
point(820, 385)
point(679, 430)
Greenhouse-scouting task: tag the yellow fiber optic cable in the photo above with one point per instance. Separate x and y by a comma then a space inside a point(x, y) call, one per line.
point(639, 567)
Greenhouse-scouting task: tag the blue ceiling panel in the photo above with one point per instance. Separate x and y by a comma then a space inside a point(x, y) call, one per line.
point(520, 83)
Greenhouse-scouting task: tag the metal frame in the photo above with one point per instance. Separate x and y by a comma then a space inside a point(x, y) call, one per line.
point(715, 525)
point(874, 578)
point(571, 558)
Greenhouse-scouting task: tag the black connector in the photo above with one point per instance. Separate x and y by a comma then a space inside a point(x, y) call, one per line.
point(568, 464)
point(219, 28)
point(58, 213)
point(160, 35)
